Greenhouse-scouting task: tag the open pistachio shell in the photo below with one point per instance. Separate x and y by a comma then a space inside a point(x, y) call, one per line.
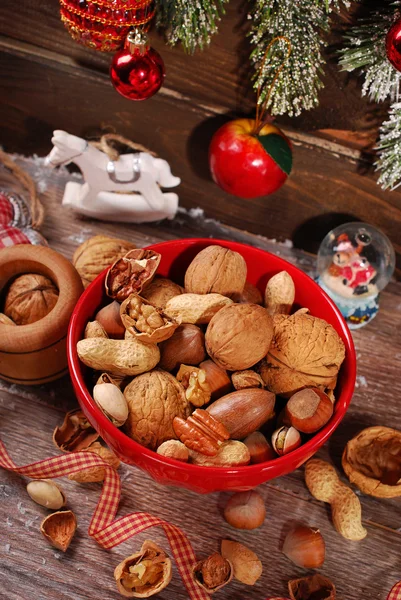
point(111, 402)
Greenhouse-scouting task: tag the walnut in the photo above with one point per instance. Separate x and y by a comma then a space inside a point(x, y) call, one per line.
point(96, 254)
point(161, 290)
point(132, 273)
point(372, 461)
point(305, 352)
point(239, 336)
point(145, 321)
point(154, 400)
point(29, 298)
point(247, 379)
point(216, 270)
point(145, 573)
point(193, 380)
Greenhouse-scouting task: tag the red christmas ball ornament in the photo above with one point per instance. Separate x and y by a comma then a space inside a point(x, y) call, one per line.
point(393, 45)
point(137, 72)
point(249, 163)
point(104, 24)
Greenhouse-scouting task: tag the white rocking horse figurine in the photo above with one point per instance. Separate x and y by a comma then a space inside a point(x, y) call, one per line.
point(108, 191)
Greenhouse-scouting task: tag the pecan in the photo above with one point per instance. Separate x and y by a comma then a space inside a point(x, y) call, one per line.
point(132, 273)
point(146, 322)
point(200, 432)
point(193, 380)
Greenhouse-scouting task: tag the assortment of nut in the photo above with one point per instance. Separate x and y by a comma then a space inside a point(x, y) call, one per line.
point(203, 364)
point(27, 299)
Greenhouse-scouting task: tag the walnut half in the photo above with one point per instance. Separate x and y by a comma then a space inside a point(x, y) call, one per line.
point(146, 322)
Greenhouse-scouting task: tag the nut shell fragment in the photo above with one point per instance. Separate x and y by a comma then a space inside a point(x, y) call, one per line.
point(59, 529)
point(247, 566)
point(230, 454)
point(120, 357)
point(239, 336)
point(305, 352)
point(94, 474)
point(132, 273)
point(213, 573)
point(145, 321)
point(372, 461)
point(94, 329)
point(145, 573)
point(76, 433)
point(154, 400)
point(309, 588)
point(174, 449)
point(247, 379)
point(216, 270)
point(46, 493)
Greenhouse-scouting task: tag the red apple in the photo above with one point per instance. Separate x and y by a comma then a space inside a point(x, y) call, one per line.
point(247, 164)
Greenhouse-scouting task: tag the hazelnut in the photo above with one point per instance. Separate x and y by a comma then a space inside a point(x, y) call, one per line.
point(186, 346)
point(249, 295)
point(245, 510)
point(309, 410)
point(285, 440)
point(217, 378)
point(110, 319)
point(259, 448)
point(305, 547)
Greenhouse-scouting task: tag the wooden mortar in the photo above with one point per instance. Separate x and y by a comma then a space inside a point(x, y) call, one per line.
point(36, 353)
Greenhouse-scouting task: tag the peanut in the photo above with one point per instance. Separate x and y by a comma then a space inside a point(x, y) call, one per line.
point(120, 357)
point(196, 308)
point(279, 294)
point(323, 483)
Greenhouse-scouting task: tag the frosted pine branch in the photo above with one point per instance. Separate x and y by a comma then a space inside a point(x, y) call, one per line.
point(191, 22)
point(389, 150)
point(302, 23)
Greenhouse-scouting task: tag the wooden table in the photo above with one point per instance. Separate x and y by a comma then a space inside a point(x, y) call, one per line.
point(30, 569)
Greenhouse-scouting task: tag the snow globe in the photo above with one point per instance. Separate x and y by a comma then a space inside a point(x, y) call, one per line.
point(355, 262)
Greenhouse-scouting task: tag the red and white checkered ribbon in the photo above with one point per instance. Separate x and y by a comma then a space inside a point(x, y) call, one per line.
point(103, 528)
point(395, 593)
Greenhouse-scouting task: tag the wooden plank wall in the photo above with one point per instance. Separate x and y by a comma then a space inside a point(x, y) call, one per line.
point(49, 82)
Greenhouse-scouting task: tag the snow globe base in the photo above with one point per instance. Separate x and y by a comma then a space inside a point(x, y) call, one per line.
point(357, 313)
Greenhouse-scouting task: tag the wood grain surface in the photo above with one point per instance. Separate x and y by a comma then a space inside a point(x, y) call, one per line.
point(50, 82)
point(31, 569)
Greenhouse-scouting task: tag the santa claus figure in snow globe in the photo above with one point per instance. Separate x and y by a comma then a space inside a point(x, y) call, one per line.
point(355, 262)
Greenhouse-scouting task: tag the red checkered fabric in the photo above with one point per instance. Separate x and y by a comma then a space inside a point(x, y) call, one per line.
point(10, 236)
point(395, 593)
point(103, 528)
point(6, 210)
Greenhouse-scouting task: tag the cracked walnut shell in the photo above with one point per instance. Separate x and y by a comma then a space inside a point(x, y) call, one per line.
point(154, 400)
point(305, 352)
point(372, 461)
point(145, 321)
point(216, 270)
point(194, 381)
point(239, 336)
point(145, 573)
point(213, 573)
point(132, 273)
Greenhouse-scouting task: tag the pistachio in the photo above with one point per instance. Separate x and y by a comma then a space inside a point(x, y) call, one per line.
point(46, 493)
point(111, 402)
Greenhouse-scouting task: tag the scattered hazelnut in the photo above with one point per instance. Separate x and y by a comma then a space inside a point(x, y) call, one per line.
point(305, 547)
point(309, 410)
point(285, 440)
point(259, 448)
point(174, 449)
point(245, 510)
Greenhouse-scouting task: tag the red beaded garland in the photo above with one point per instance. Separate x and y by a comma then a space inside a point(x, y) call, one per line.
point(393, 45)
point(104, 24)
point(137, 72)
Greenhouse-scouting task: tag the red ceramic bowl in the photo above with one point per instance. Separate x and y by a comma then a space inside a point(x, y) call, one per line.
point(176, 256)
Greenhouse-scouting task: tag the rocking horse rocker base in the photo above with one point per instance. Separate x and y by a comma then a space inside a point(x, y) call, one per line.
point(127, 189)
point(117, 207)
